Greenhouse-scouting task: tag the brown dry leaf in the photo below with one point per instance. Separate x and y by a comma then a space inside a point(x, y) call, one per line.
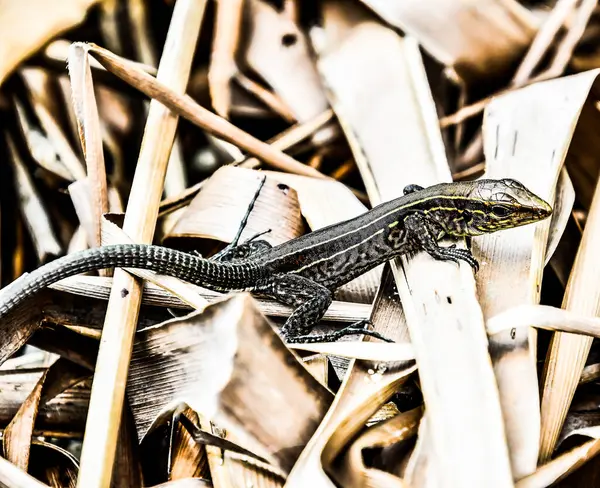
point(19, 324)
point(27, 25)
point(564, 464)
point(234, 361)
point(18, 434)
point(216, 212)
point(72, 403)
point(188, 457)
point(479, 40)
point(444, 318)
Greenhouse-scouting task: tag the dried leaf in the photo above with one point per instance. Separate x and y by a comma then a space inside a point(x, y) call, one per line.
point(234, 361)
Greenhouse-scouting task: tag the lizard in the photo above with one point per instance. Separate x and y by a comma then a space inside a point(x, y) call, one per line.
point(304, 272)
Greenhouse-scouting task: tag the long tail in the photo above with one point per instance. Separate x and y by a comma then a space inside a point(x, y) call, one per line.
point(209, 274)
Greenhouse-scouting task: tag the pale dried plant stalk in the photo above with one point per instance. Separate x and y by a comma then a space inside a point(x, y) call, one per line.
point(185, 106)
point(223, 67)
point(90, 136)
point(110, 377)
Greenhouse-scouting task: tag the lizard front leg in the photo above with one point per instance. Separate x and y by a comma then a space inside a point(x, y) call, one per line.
point(311, 300)
point(421, 232)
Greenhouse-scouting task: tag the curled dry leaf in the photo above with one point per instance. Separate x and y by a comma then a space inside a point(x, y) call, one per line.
point(229, 361)
point(72, 403)
point(384, 434)
point(564, 464)
point(18, 434)
point(50, 462)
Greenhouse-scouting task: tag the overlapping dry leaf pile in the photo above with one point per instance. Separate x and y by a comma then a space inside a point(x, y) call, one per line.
point(161, 129)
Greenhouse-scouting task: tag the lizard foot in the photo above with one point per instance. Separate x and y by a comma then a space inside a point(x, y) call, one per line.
point(357, 328)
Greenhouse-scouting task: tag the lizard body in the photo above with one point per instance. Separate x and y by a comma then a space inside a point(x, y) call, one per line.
point(304, 272)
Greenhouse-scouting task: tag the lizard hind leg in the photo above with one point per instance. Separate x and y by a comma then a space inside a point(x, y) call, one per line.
point(311, 300)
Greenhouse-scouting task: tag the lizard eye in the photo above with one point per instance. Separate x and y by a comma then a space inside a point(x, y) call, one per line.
point(501, 211)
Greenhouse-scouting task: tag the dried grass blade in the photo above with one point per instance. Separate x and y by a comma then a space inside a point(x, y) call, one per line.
point(184, 106)
point(108, 389)
point(90, 136)
point(448, 335)
point(525, 138)
point(568, 353)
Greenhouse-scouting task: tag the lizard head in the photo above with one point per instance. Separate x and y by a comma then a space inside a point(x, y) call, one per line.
point(501, 204)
